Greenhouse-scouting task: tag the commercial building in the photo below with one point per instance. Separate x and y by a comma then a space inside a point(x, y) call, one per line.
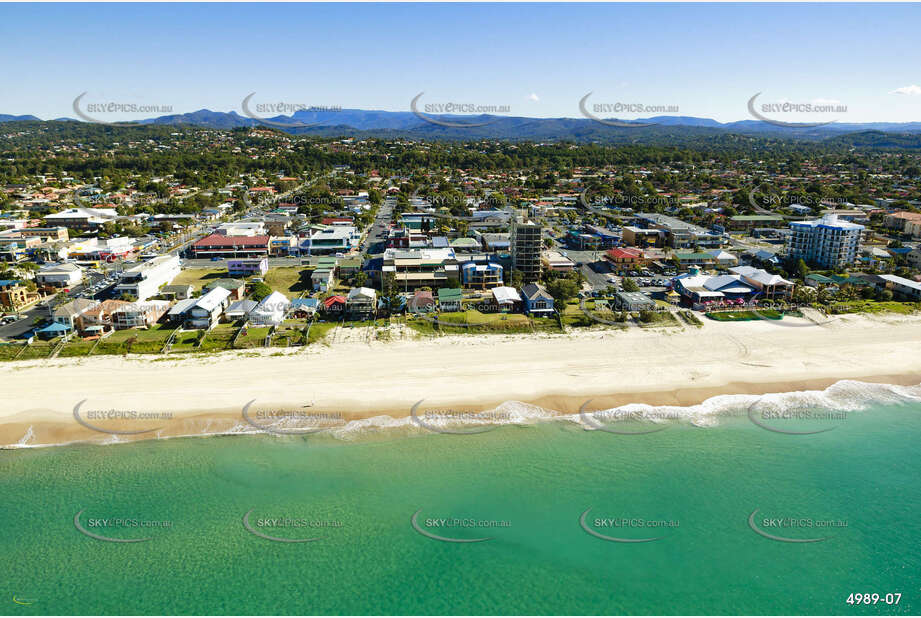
point(332, 239)
point(679, 234)
point(226, 246)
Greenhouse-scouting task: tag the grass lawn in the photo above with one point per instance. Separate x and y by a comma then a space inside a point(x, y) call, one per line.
point(287, 280)
point(319, 330)
point(289, 332)
point(8, 351)
point(185, 341)
point(254, 337)
point(744, 316)
point(76, 347)
point(872, 306)
point(39, 349)
point(200, 277)
point(218, 338)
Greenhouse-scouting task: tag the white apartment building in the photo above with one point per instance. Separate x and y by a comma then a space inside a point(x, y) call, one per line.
point(145, 280)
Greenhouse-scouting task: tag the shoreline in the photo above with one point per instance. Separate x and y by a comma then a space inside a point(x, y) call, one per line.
point(353, 381)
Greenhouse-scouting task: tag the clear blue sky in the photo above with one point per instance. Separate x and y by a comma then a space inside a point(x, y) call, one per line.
point(538, 59)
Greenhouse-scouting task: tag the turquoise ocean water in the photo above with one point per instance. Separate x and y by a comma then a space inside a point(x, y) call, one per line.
point(530, 484)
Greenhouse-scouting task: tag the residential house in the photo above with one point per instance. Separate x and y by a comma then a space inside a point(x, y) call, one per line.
point(537, 300)
point(422, 302)
point(177, 292)
point(449, 299)
point(303, 307)
point(236, 287)
point(633, 301)
point(723, 259)
point(67, 313)
point(247, 267)
point(271, 310)
point(903, 288)
point(506, 299)
point(98, 320)
point(361, 303)
point(334, 306)
point(206, 310)
point(240, 310)
point(15, 295)
point(139, 314)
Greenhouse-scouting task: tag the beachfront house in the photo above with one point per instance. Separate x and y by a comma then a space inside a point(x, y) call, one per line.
point(537, 300)
point(139, 315)
point(271, 310)
point(240, 310)
point(449, 299)
point(634, 301)
point(303, 307)
point(361, 303)
point(205, 312)
point(334, 306)
point(68, 313)
point(505, 299)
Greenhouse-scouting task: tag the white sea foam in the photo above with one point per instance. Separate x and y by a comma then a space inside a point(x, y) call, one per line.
point(845, 395)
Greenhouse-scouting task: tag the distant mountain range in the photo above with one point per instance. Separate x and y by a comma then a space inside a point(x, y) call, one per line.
point(409, 124)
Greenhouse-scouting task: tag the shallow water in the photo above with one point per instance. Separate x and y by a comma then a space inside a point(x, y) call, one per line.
point(357, 497)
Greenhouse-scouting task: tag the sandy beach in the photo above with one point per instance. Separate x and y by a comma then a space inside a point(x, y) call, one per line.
point(353, 379)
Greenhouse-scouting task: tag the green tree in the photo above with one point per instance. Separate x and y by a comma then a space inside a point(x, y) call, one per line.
point(260, 290)
point(630, 285)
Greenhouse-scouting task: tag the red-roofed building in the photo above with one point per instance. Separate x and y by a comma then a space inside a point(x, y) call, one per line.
point(337, 221)
point(625, 258)
point(334, 304)
point(220, 245)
